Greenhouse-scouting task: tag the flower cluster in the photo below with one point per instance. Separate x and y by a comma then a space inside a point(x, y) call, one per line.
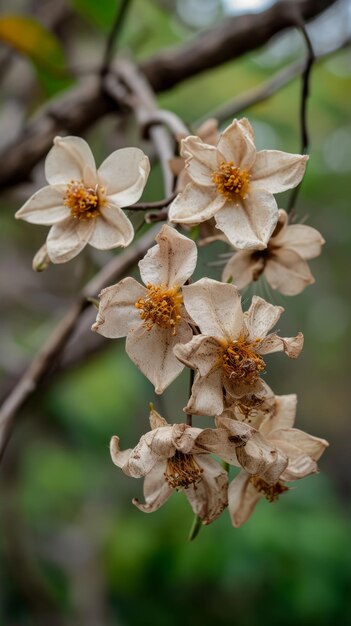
point(171, 322)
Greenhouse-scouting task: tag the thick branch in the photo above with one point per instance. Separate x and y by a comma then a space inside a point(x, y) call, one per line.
point(81, 107)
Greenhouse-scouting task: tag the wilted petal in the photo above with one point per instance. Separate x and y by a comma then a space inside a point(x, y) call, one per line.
point(69, 159)
point(242, 499)
point(292, 346)
point(201, 160)
point(277, 171)
point(152, 352)
point(288, 272)
point(208, 497)
point(201, 353)
point(112, 229)
point(117, 311)
point(207, 394)
point(44, 207)
point(215, 307)
point(236, 145)
point(304, 240)
point(236, 390)
point(261, 317)
point(124, 174)
point(242, 268)
point(156, 420)
point(67, 238)
point(284, 416)
point(156, 489)
point(171, 262)
point(294, 441)
point(249, 223)
point(119, 457)
point(152, 447)
point(195, 204)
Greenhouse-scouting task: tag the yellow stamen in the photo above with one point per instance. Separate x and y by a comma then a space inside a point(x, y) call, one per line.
point(231, 181)
point(271, 492)
point(182, 471)
point(83, 201)
point(240, 362)
point(161, 306)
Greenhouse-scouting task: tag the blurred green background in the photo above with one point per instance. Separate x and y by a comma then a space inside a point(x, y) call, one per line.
point(73, 549)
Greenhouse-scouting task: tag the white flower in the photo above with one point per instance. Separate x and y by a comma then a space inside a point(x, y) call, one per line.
point(82, 204)
point(153, 317)
point(235, 184)
point(282, 263)
point(227, 355)
point(301, 449)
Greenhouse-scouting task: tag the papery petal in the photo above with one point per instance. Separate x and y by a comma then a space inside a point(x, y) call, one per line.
point(67, 238)
point(152, 352)
point(156, 420)
point(184, 437)
point(208, 497)
point(292, 346)
point(124, 174)
point(242, 499)
point(152, 447)
point(236, 390)
point(201, 160)
point(195, 204)
point(201, 353)
point(261, 317)
point(117, 311)
point(249, 223)
point(207, 394)
point(291, 439)
point(284, 416)
point(119, 457)
point(69, 159)
point(304, 240)
point(215, 307)
point(242, 268)
point(171, 262)
point(112, 229)
point(44, 207)
point(277, 171)
point(287, 272)
point(236, 144)
point(156, 489)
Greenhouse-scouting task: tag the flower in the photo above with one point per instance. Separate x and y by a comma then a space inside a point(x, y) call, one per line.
point(177, 457)
point(235, 184)
point(83, 205)
point(227, 355)
point(153, 317)
point(301, 449)
point(282, 263)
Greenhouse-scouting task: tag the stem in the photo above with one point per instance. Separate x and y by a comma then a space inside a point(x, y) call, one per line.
point(195, 528)
point(113, 35)
point(189, 417)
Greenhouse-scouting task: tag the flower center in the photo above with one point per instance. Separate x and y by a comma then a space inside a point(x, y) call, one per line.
point(231, 181)
point(240, 363)
point(182, 471)
point(271, 492)
point(83, 201)
point(161, 306)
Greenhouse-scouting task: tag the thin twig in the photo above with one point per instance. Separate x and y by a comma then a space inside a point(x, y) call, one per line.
point(113, 35)
point(147, 206)
point(189, 417)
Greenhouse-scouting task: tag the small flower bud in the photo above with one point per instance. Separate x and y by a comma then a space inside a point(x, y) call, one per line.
point(41, 260)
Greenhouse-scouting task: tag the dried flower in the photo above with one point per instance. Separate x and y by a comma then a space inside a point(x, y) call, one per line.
point(282, 263)
point(83, 205)
point(153, 317)
point(235, 184)
point(227, 355)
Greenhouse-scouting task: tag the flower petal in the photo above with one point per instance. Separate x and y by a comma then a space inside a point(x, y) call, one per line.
point(277, 171)
point(44, 207)
point(294, 438)
point(208, 497)
point(242, 268)
point(201, 353)
point(67, 238)
point(69, 159)
point(287, 272)
point(195, 204)
point(261, 317)
point(292, 346)
point(171, 262)
point(236, 144)
point(201, 160)
point(304, 240)
point(112, 229)
point(207, 394)
point(154, 446)
point(156, 489)
point(117, 311)
point(152, 352)
point(242, 499)
point(250, 222)
point(215, 307)
point(124, 174)
point(284, 416)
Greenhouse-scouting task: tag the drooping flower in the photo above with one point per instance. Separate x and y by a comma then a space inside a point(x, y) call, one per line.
point(301, 449)
point(177, 457)
point(83, 205)
point(283, 263)
point(153, 317)
point(235, 184)
point(228, 354)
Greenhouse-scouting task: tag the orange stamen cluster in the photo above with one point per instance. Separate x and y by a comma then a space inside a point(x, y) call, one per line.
point(182, 471)
point(271, 492)
point(161, 306)
point(231, 181)
point(240, 362)
point(83, 201)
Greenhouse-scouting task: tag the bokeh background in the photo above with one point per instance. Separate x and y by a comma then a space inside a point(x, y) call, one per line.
point(73, 549)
